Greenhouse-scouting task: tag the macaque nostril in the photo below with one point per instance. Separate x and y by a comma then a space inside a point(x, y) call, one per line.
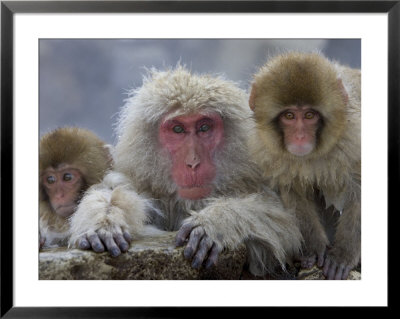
point(193, 165)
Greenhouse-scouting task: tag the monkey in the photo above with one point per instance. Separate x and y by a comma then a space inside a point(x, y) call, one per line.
point(308, 143)
point(181, 164)
point(71, 159)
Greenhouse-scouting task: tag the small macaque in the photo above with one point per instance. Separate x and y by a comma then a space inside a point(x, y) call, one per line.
point(71, 160)
point(182, 164)
point(308, 144)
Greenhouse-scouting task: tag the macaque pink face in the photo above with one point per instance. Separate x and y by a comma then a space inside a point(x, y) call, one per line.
point(299, 125)
point(63, 186)
point(191, 141)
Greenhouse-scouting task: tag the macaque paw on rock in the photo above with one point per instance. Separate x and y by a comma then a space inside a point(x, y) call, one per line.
point(199, 247)
point(100, 241)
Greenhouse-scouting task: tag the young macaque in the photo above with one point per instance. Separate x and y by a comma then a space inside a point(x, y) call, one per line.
point(307, 142)
point(71, 160)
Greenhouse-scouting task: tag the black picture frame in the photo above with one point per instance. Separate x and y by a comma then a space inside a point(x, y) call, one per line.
point(9, 8)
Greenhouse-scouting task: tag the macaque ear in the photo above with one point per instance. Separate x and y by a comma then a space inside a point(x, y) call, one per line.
point(252, 99)
point(343, 91)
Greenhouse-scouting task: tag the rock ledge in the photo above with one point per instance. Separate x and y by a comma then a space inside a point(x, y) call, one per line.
point(150, 258)
point(154, 258)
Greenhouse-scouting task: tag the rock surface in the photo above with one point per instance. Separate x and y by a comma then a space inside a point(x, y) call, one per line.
point(152, 258)
point(315, 273)
point(155, 258)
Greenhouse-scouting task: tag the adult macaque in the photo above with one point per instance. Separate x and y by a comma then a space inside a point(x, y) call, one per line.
point(181, 163)
point(307, 141)
point(70, 160)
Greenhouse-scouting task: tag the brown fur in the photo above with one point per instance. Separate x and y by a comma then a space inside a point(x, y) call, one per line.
point(331, 174)
point(81, 149)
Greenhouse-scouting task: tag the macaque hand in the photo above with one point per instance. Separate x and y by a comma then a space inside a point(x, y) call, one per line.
point(115, 242)
point(313, 256)
point(335, 267)
point(200, 247)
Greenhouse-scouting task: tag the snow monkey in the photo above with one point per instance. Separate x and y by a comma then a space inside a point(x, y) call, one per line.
point(70, 160)
point(308, 142)
point(181, 163)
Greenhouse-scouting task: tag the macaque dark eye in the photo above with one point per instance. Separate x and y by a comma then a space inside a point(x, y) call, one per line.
point(67, 177)
point(309, 115)
point(178, 129)
point(204, 128)
point(289, 115)
point(51, 179)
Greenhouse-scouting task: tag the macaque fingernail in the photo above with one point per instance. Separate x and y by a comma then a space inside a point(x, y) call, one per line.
point(188, 253)
point(124, 247)
point(180, 242)
point(115, 252)
point(84, 245)
point(127, 237)
point(196, 264)
point(98, 248)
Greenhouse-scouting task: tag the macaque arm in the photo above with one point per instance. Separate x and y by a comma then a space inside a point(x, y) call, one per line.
point(346, 250)
point(228, 222)
point(108, 215)
point(315, 237)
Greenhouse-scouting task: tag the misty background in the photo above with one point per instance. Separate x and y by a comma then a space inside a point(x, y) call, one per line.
point(83, 82)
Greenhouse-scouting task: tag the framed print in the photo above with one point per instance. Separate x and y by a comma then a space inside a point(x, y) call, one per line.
point(74, 63)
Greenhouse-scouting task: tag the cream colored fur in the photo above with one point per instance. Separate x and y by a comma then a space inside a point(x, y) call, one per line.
point(239, 210)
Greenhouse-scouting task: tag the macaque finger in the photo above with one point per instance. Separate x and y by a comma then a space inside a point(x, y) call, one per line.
point(194, 240)
point(182, 234)
point(320, 259)
point(83, 243)
point(326, 266)
point(127, 236)
point(331, 270)
point(346, 272)
point(308, 262)
point(339, 272)
point(95, 242)
point(112, 247)
point(203, 248)
point(213, 256)
point(121, 242)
